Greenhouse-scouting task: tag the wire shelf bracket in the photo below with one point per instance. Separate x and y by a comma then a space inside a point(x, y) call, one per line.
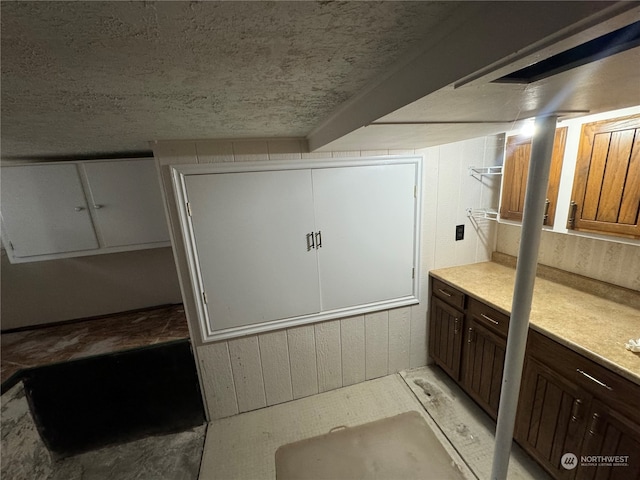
point(479, 172)
point(482, 213)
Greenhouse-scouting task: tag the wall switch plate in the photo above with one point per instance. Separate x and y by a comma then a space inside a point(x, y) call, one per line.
point(459, 232)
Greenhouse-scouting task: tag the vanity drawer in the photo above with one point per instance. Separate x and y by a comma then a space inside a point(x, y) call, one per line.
point(616, 391)
point(489, 317)
point(446, 292)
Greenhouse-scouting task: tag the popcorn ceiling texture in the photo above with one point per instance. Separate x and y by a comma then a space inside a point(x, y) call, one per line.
point(88, 78)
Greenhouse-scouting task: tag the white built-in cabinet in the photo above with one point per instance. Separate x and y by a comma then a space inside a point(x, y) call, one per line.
point(281, 244)
point(67, 209)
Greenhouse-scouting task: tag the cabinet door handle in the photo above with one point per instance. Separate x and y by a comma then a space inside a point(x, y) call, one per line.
point(456, 326)
point(576, 411)
point(444, 292)
point(310, 243)
point(595, 423)
point(546, 211)
point(79, 209)
point(593, 379)
point(319, 239)
point(490, 319)
point(573, 207)
point(470, 336)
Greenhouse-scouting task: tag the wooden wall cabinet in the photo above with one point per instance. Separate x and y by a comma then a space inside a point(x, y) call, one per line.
point(516, 171)
point(606, 188)
point(61, 210)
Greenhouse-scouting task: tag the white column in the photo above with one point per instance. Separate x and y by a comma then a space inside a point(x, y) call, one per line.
point(541, 150)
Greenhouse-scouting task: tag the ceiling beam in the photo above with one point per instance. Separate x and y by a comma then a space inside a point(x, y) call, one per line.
point(481, 34)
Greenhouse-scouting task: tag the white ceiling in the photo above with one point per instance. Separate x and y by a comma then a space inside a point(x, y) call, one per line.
point(90, 79)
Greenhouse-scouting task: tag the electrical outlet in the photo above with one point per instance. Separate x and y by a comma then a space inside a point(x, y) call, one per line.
point(459, 232)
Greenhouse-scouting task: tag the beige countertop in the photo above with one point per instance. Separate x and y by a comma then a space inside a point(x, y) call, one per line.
point(590, 325)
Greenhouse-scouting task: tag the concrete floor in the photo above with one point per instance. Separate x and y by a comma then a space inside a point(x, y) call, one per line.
point(243, 446)
point(466, 426)
point(25, 457)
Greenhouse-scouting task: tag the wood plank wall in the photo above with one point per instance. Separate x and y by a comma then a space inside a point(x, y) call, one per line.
point(252, 372)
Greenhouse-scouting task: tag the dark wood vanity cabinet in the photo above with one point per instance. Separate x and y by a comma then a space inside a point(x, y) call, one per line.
point(483, 356)
point(570, 404)
point(446, 327)
point(467, 339)
point(551, 417)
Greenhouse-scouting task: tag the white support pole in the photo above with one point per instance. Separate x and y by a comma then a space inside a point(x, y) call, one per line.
point(539, 166)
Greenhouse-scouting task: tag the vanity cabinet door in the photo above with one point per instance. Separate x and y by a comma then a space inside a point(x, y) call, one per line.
point(483, 365)
point(445, 336)
point(551, 417)
point(609, 433)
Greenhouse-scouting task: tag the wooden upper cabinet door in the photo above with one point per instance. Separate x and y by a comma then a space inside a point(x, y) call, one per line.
point(516, 170)
point(606, 188)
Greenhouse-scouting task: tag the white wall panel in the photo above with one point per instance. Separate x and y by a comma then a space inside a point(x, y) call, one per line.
point(399, 339)
point(302, 354)
point(247, 373)
point(274, 354)
point(217, 380)
point(210, 151)
point(250, 151)
point(376, 334)
point(353, 346)
point(329, 355)
point(285, 149)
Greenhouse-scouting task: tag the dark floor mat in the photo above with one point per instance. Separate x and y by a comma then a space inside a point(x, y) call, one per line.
point(85, 404)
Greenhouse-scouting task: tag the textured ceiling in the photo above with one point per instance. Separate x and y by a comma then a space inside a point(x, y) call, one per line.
point(101, 78)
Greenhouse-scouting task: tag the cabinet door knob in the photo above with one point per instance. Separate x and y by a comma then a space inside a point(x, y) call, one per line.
point(595, 424)
point(79, 209)
point(576, 411)
point(98, 206)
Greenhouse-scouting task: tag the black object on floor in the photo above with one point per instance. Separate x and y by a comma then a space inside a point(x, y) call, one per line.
point(89, 403)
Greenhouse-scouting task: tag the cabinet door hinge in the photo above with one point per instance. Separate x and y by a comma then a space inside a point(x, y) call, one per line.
point(204, 297)
point(413, 272)
point(189, 209)
point(415, 191)
point(11, 246)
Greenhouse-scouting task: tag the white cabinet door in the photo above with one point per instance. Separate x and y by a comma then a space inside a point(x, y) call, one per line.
point(44, 210)
point(366, 216)
point(126, 202)
point(249, 231)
